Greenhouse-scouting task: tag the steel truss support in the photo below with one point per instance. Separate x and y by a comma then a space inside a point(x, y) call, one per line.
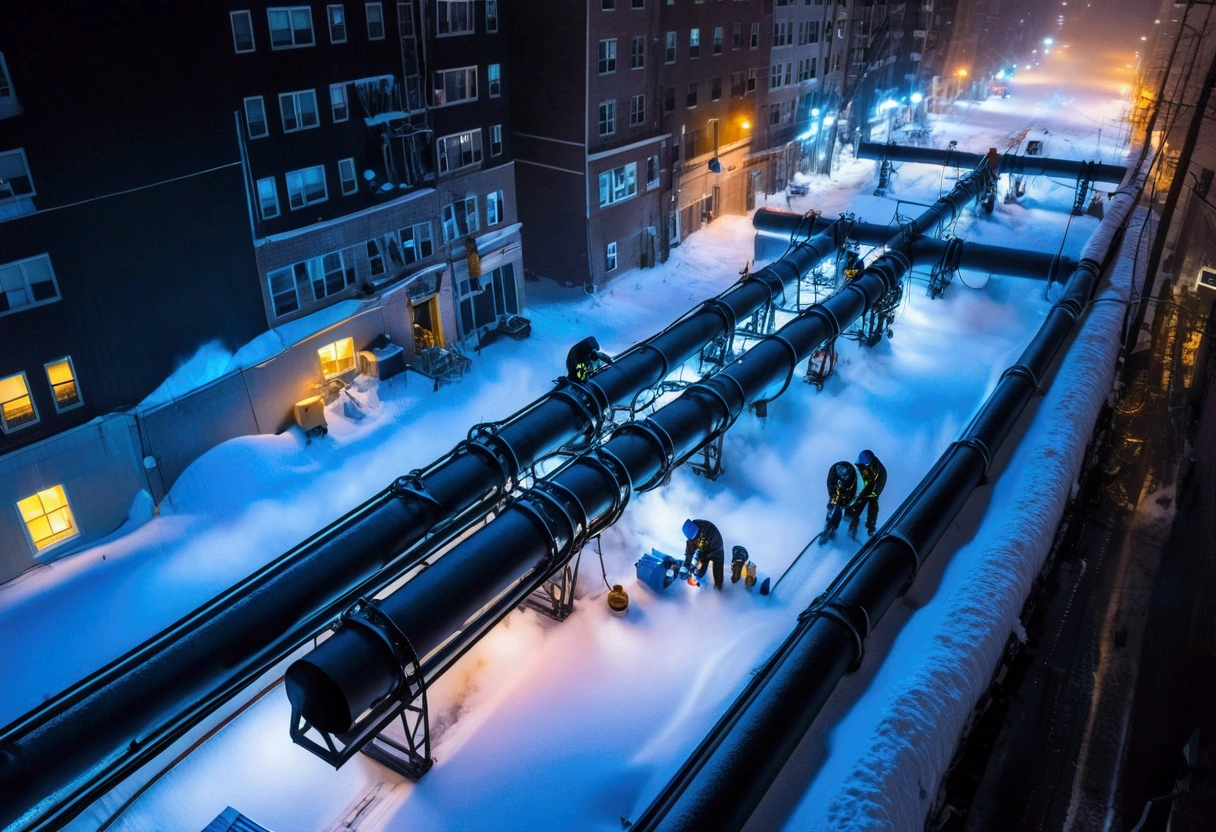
point(555, 597)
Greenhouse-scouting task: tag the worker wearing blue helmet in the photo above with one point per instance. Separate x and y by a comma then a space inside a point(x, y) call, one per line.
point(873, 480)
point(705, 543)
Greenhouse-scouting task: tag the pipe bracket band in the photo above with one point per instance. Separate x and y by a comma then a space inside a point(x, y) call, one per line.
point(366, 615)
point(912, 551)
point(485, 436)
point(412, 485)
point(1024, 372)
point(853, 617)
point(547, 491)
point(583, 396)
point(662, 441)
point(619, 474)
point(793, 366)
point(979, 447)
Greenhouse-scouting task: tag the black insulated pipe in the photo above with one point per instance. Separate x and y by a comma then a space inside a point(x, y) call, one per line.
point(347, 674)
point(1010, 162)
point(61, 756)
point(724, 779)
point(922, 251)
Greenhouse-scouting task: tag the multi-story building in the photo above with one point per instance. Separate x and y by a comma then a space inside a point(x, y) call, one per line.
point(628, 103)
point(330, 171)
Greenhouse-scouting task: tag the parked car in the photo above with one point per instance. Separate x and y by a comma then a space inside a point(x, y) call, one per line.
point(798, 189)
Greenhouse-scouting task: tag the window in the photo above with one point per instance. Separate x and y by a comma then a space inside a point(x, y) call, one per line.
point(717, 40)
point(299, 110)
point(61, 375)
point(751, 80)
point(694, 43)
point(607, 118)
point(774, 80)
point(652, 172)
point(346, 175)
point(813, 67)
point(814, 36)
point(715, 89)
point(459, 150)
point(375, 21)
point(618, 184)
point(338, 102)
point(454, 86)
point(774, 114)
point(454, 17)
point(637, 111)
point(336, 15)
point(48, 518)
point(416, 242)
point(491, 15)
point(375, 257)
point(16, 405)
point(607, 5)
point(639, 4)
point(460, 218)
point(737, 37)
point(284, 298)
point(496, 140)
point(255, 117)
point(15, 180)
point(755, 41)
point(610, 258)
point(737, 85)
point(669, 100)
point(268, 198)
point(494, 212)
point(670, 53)
point(337, 358)
point(328, 274)
point(8, 98)
point(242, 31)
point(637, 55)
point(28, 282)
point(691, 100)
point(494, 76)
point(290, 27)
point(306, 187)
point(607, 56)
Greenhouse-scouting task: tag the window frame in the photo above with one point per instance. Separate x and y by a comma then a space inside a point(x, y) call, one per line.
point(754, 40)
point(491, 4)
point(470, 228)
point(67, 505)
point(273, 296)
point(415, 242)
point(607, 118)
point(27, 286)
point(354, 176)
point(329, 22)
point(288, 10)
point(67, 359)
point(470, 74)
point(265, 121)
point(494, 80)
point(302, 172)
point(694, 43)
point(637, 110)
point(611, 259)
point(651, 184)
point(448, 5)
point(495, 199)
point(495, 128)
point(295, 96)
point(443, 162)
point(278, 212)
point(367, 10)
point(719, 40)
point(333, 109)
point(29, 394)
point(253, 44)
point(338, 360)
point(19, 153)
point(637, 56)
point(613, 192)
point(671, 48)
point(606, 55)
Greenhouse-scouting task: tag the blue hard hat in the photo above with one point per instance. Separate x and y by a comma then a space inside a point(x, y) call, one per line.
point(691, 529)
point(865, 458)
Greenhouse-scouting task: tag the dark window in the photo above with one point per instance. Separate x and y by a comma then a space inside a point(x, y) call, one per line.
point(692, 94)
point(715, 89)
point(669, 100)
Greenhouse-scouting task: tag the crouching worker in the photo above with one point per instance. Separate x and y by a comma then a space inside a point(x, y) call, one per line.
point(584, 359)
point(705, 543)
point(843, 482)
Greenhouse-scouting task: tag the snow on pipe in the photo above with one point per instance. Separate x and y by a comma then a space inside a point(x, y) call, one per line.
point(59, 757)
point(922, 251)
point(439, 613)
point(1010, 162)
point(721, 783)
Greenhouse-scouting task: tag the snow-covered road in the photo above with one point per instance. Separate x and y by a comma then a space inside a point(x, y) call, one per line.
point(578, 724)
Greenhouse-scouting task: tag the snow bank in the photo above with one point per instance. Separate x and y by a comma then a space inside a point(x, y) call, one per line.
point(903, 731)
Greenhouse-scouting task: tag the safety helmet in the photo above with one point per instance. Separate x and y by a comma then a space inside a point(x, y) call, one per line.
point(691, 530)
point(865, 458)
point(592, 343)
point(844, 472)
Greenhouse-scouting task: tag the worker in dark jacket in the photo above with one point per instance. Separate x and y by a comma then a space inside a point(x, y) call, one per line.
point(584, 359)
point(843, 482)
point(873, 480)
point(705, 542)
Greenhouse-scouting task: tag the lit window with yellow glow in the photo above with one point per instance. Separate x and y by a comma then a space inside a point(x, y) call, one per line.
point(62, 377)
point(338, 357)
point(16, 407)
point(48, 518)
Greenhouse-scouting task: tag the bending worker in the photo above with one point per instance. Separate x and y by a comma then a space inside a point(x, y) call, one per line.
point(705, 542)
point(873, 480)
point(584, 359)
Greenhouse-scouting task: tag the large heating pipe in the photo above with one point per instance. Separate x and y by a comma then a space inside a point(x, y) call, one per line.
point(61, 756)
point(537, 534)
point(922, 251)
point(722, 782)
point(1010, 162)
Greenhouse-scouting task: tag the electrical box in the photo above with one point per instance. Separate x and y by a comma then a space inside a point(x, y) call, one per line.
point(382, 362)
point(310, 415)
